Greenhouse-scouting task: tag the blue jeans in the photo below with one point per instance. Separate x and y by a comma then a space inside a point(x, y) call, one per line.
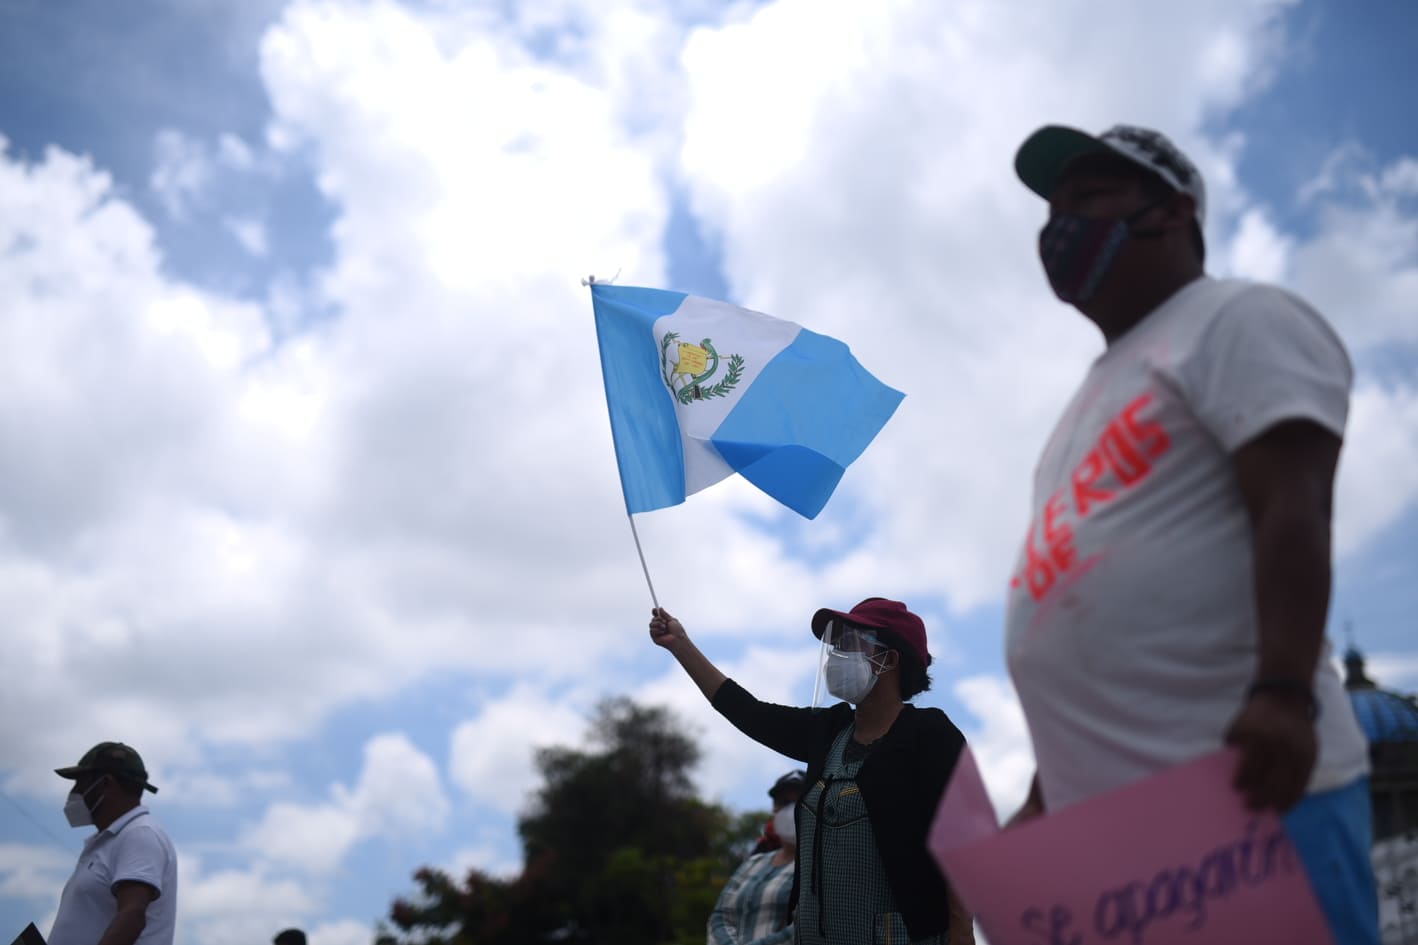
point(1333, 832)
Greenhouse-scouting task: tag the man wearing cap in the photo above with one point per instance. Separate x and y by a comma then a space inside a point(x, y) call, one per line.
point(754, 907)
point(124, 888)
point(876, 769)
point(787, 789)
point(1172, 591)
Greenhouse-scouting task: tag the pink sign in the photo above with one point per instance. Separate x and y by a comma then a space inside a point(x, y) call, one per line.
point(1173, 860)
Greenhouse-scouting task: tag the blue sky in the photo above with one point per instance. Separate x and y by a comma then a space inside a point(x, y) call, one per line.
point(307, 491)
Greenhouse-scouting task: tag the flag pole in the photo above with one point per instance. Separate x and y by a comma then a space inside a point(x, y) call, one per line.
point(648, 583)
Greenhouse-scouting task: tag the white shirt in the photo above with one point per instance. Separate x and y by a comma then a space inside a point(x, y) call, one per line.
point(1131, 631)
point(133, 847)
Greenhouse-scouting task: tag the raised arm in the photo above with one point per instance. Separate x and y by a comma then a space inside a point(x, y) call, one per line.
point(787, 730)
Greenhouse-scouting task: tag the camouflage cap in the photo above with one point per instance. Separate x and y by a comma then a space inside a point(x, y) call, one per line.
point(113, 758)
point(1047, 153)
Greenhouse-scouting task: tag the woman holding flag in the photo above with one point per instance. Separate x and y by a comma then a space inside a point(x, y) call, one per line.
point(876, 769)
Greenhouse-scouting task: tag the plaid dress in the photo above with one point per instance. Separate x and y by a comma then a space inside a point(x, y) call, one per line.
point(844, 897)
point(753, 908)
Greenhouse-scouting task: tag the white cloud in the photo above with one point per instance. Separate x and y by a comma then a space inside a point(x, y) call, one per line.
point(1400, 178)
point(1397, 671)
point(235, 153)
point(487, 858)
point(233, 906)
point(1361, 267)
point(1001, 744)
point(491, 757)
point(34, 872)
point(213, 791)
point(398, 793)
point(1259, 250)
point(1337, 166)
point(1382, 440)
point(345, 932)
point(251, 234)
point(182, 172)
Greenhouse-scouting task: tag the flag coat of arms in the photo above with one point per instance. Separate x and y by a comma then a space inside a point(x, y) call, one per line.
point(699, 390)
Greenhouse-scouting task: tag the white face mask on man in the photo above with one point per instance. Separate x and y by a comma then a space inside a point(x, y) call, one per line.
point(77, 809)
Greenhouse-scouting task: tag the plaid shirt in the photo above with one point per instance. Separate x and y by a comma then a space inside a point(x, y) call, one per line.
point(753, 907)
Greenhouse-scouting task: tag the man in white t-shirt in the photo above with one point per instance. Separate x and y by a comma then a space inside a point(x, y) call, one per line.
point(124, 888)
point(1172, 591)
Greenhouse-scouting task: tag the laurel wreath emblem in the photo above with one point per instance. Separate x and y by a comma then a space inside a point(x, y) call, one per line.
point(693, 388)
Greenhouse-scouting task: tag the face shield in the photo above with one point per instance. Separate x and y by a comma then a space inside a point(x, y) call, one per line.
point(843, 642)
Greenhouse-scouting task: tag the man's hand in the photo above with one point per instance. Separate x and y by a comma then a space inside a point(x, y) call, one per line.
point(1027, 812)
point(1032, 807)
point(665, 630)
point(1276, 737)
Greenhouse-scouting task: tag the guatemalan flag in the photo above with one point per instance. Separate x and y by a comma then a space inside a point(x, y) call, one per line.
point(699, 390)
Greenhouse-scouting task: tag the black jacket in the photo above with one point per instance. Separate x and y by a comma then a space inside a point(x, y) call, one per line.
point(901, 782)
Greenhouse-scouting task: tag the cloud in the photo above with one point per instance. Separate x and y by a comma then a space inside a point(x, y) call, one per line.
point(1382, 438)
point(251, 234)
point(1001, 744)
point(345, 932)
point(491, 757)
point(398, 793)
point(1259, 250)
point(1396, 671)
point(195, 515)
point(488, 857)
point(1361, 266)
point(211, 791)
point(234, 906)
point(32, 872)
point(182, 172)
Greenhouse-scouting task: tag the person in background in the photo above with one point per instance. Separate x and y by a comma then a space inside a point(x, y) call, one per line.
point(289, 937)
point(754, 907)
point(124, 888)
point(768, 840)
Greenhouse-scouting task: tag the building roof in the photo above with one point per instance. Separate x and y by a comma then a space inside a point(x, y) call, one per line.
point(1386, 717)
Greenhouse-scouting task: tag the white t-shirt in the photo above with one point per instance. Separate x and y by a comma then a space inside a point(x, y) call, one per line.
point(133, 847)
point(1131, 631)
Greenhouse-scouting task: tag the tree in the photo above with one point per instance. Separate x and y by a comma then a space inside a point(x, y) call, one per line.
point(618, 848)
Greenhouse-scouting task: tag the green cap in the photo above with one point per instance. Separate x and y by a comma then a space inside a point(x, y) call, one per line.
point(113, 758)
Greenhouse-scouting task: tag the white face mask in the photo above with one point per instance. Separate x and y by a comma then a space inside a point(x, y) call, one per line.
point(850, 676)
point(77, 810)
point(784, 826)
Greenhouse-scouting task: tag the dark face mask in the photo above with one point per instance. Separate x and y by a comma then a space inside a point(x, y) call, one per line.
point(1078, 251)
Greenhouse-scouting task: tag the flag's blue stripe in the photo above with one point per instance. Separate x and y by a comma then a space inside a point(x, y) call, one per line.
point(643, 425)
point(810, 413)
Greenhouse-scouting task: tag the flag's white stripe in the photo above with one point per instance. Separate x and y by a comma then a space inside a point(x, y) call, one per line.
point(756, 337)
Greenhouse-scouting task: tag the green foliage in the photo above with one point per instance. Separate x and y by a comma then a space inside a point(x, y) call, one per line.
point(617, 845)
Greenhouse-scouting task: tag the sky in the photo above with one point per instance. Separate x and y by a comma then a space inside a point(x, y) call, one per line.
point(306, 482)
